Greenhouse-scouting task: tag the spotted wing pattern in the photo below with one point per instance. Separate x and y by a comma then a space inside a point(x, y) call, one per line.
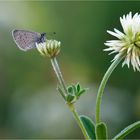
point(25, 40)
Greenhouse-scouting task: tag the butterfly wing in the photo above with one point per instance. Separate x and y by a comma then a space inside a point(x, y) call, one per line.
point(25, 40)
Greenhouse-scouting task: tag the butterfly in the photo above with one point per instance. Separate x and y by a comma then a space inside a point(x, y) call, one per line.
point(27, 40)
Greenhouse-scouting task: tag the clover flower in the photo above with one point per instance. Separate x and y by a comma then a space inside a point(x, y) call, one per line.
point(50, 48)
point(128, 43)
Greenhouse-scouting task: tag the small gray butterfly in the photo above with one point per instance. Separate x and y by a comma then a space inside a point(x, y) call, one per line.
point(26, 40)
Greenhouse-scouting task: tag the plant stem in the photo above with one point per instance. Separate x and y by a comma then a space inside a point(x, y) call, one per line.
point(102, 86)
point(58, 74)
point(70, 106)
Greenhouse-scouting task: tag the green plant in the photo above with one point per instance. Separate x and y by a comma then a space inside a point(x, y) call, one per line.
point(128, 48)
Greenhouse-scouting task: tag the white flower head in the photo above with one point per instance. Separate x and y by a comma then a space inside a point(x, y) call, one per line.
point(50, 48)
point(127, 43)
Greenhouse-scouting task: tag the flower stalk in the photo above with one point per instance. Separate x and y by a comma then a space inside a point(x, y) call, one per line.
point(70, 105)
point(102, 86)
point(59, 74)
point(75, 114)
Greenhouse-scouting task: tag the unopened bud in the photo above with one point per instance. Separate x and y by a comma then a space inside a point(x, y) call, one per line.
point(50, 48)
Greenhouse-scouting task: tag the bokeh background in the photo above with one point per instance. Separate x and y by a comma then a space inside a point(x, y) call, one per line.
point(30, 106)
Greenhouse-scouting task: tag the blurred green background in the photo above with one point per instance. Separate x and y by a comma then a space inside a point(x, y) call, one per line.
point(30, 106)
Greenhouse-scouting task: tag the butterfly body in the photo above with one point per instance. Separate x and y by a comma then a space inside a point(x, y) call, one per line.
point(27, 40)
point(42, 38)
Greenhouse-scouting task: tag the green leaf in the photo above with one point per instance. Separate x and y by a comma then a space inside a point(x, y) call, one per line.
point(78, 88)
point(74, 89)
point(81, 92)
point(70, 90)
point(69, 98)
point(129, 129)
point(101, 131)
point(89, 126)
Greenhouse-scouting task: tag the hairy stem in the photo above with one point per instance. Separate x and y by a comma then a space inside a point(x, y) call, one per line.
point(102, 86)
point(58, 74)
point(63, 85)
point(75, 114)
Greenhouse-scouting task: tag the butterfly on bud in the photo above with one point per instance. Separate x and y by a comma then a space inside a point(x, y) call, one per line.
point(26, 40)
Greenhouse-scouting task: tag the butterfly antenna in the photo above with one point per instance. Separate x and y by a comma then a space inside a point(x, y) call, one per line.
point(51, 35)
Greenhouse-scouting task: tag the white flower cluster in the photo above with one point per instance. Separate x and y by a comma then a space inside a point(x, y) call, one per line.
point(128, 43)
